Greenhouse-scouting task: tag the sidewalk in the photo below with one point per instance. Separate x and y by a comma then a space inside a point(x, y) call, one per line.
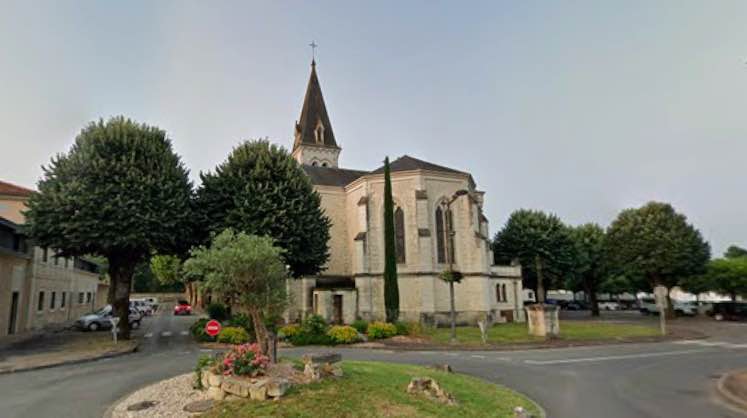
point(49, 349)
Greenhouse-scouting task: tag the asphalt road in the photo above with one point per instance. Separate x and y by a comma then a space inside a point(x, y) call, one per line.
point(617, 381)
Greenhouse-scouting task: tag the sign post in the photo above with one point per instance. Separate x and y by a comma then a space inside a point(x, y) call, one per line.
point(115, 330)
point(660, 292)
point(212, 328)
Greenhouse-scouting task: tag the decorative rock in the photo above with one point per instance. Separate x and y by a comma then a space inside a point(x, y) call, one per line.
point(141, 406)
point(277, 387)
point(258, 391)
point(216, 393)
point(199, 406)
point(312, 371)
point(204, 379)
point(332, 370)
point(236, 387)
point(520, 412)
point(322, 358)
point(431, 389)
point(215, 379)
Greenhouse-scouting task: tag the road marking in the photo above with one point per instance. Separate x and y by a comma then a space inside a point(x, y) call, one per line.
point(184, 333)
point(452, 354)
point(166, 334)
point(607, 358)
point(477, 356)
point(722, 344)
point(148, 335)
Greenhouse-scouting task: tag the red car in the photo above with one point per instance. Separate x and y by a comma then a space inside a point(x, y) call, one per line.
point(182, 308)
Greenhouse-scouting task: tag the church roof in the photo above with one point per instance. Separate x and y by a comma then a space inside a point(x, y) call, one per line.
point(313, 112)
point(330, 176)
point(407, 163)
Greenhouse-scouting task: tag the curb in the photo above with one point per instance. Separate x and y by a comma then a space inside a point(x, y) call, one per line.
point(71, 362)
point(726, 394)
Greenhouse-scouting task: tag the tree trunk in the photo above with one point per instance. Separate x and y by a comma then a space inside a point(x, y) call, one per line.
point(259, 330)
point(453, 312)
point(120, 271)
point(593, 301)
point(670, 307)
point(540, 281)
point(733, 296)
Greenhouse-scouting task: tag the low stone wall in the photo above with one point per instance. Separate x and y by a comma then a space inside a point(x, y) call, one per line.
point(259, 389)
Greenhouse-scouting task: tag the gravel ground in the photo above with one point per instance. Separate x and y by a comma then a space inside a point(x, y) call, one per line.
point(171, 395)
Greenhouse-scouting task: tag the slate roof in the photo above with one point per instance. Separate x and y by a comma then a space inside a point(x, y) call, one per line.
point(407, 163)
point(330, 176)
point(7, 189)
point(313, 111)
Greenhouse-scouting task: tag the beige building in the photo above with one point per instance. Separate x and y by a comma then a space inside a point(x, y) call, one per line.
point(37, 288)
point(439, 224)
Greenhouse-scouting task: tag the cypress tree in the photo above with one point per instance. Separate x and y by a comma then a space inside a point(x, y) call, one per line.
point(391, 289)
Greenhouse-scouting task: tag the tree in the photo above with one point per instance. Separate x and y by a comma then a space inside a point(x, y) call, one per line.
point(729, 276)
point(169, 272)
point(260, 189)
point(249, 270)
point(391, 288)
point(121, 193)
point(698, 284)
point(540, 242)
point(589, 266)
point(735, 251)
point(656, 242)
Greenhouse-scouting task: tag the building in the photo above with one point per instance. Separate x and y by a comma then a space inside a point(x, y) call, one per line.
point(439, 223)
point(37, 288)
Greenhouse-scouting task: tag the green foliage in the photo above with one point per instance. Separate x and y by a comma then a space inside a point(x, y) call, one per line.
point(360, 325)
point(261, 190)
point(242, 321)
point(198, 331)
point(233, 335)
point(588, 268)
point(314, 324)
point(166, 268)
point(343, 334)
point(144, 281)
point(245, 268)
point(378, 330)
point(727, 275)
point(313, 332)
point(656, 242)
point(217, 311)
point(391, 287)
point(121, 193)
point(289, 331)
point(203, 362)
point(735, 251)
point(402, 328)
point(541, 243)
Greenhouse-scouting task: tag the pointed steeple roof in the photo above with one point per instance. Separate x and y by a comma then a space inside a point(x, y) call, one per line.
point(314, 127)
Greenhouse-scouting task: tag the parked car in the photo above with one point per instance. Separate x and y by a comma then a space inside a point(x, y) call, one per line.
point(609, 305)
point(730, 311)
point(153, 301)
point(649, 307)
point(577, 306)
point(182, 308)
point(142, 306)
point(139, 312)
point(100, 319)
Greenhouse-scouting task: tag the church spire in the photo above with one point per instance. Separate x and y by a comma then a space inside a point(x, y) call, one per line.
point(314, 127)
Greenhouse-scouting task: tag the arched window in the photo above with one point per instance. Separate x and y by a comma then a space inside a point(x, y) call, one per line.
point(503, 293)
point(500, 293)
point(399, 234)
point(314, 163)
point(319, 133)
point(324, 164)
point(444, 234)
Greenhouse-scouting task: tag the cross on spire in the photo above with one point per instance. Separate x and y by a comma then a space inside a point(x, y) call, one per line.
point(313, 46)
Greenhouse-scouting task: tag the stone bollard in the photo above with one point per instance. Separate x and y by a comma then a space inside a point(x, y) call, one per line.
point(520, 412)
point(317, 366)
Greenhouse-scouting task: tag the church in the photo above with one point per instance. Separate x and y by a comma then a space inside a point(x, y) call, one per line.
point(439, 224)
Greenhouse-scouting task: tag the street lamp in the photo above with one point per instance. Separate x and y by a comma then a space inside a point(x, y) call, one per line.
point(450, 257)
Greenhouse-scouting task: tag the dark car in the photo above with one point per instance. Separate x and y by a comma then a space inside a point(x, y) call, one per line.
point(576, 306)
point(730, 311)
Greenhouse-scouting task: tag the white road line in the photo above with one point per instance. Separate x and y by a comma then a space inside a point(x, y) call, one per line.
point(166, 334)
point(721, 344)
point(477, 356)
point(184, 333)
point(607, 358)
point(148, 335)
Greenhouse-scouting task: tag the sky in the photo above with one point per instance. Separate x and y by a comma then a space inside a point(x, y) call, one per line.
point(580, 108)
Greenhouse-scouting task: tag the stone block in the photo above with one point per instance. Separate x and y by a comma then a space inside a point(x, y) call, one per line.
point(215, 379)
point(277, 387)
point(312, 371)
point(236, 387)
point(258, 391)
point(204, 379)
point(322, 358)
point(216, 393)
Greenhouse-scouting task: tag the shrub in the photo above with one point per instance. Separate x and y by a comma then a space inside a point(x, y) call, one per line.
point(217, 311)
point(198, 331)
point(245, 360)
point(312, 331)
point(402, 328)
point(289, 331)
point(309, 339)
point(360, 325)
point(343, 334)
point(241, 320)
point(314, 325)
point(203, 362)
point(378, 330)
point(233, 335)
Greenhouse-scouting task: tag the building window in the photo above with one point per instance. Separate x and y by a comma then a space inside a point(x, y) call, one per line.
point(80, 298)
point(443, 228)
point(399, 234)
point(40, 302)
point(324, 164)
point(52, 300)
point(88, 297)
point(500, 293)
point(503, 291)
point(319, 133)
point(63, 300)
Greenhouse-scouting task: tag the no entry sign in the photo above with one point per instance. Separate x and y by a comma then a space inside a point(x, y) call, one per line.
point(212, 328)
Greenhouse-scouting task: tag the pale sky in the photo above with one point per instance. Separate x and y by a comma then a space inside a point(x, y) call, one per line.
point(581, 108)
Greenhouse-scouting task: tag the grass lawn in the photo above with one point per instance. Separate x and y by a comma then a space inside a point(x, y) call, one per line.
point(371, 389)
point(516, 333)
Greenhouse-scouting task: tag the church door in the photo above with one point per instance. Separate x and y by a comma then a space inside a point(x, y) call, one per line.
point(337, 305)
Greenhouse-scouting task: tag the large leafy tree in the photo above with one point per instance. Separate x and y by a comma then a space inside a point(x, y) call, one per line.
point(656, 242)
point(168, 270)
point(260, 189)
point(121, 193)
point(729, 276)
point(589, 268)
point(541, 242)
point(735, 251)
point(247, 269)
point(391, 287)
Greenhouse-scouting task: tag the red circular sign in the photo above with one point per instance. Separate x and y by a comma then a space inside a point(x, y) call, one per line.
point(212, 328)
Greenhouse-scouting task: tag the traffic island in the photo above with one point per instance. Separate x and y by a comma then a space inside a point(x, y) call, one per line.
point(733, 388)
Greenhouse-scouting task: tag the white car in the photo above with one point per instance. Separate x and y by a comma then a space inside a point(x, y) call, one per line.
point(609, 306)
point(649, 307)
